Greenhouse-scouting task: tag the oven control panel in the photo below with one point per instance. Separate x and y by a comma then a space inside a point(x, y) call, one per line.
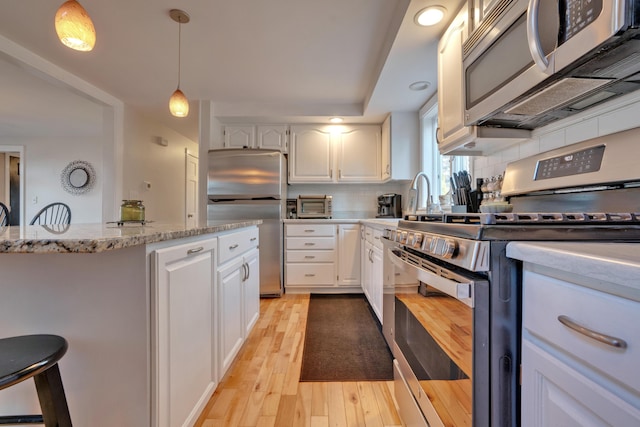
point(472, 255)
point(583, 161)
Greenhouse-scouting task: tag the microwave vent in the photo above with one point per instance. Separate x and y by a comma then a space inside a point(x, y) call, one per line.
point(556, 95)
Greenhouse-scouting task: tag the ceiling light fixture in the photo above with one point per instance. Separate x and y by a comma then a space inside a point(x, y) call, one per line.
point(74, 27)
point(336, 120)
point(178, 103)
point(429, 16)
point(420, 85)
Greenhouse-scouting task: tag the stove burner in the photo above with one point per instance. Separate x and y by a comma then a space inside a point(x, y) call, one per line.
point(531, 218)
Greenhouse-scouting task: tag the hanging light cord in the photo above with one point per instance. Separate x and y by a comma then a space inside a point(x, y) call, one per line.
point(179, 45)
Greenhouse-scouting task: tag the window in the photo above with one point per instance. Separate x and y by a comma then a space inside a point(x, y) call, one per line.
point(439, 168)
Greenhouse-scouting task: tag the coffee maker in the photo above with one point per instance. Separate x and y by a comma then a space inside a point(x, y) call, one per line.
point(389, 206)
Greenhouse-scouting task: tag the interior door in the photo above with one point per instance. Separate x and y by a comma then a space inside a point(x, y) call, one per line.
point(191, 190)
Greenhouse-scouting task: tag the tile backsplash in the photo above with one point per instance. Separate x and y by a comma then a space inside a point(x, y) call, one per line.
point(351, 201)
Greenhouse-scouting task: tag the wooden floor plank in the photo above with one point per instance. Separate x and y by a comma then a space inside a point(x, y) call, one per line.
point(262, 388)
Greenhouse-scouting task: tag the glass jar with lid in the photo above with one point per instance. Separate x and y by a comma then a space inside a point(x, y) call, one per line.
point(132, 210)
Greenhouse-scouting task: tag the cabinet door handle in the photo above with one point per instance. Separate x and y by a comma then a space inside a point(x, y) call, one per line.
point(309, 275)
point(581, 329)
point(248, 270)
point(309, 257)
point(195, 250)
point(309, 244)
point(233, 246)
point(244, 271)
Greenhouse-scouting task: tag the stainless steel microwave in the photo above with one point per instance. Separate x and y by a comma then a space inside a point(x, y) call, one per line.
point(314, 206)
point(531, 62)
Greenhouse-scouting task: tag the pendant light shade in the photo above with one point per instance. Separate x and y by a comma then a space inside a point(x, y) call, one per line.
point(178, 103)
point(74, 27)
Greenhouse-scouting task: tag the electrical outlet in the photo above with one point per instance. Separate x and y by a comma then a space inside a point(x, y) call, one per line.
point(34, 200)
point(147, 185)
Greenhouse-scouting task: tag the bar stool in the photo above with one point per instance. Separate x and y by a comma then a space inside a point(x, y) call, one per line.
point(36, 356)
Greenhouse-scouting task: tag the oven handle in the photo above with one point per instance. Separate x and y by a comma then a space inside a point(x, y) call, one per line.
point(461, 290)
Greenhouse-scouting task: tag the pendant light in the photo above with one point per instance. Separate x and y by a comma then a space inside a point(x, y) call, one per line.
point(178, 103)
point(74, 27)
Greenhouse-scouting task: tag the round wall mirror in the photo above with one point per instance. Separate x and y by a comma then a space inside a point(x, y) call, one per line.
point(78, 177)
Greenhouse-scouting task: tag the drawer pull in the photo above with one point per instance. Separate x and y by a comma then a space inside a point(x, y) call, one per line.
point(309, 275)
point(195, 250)
point(605, 339)
point(253, 239)
point(309, 257)
point(233, 246)
point(309, 244)
point(309, 231)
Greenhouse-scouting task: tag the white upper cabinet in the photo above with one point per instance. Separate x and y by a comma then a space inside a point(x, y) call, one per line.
point(359, 154)
point(311, 156)
point(451, 128)
point(330, 153)
point(274, 137)
point(239, 136)
point(400, 145)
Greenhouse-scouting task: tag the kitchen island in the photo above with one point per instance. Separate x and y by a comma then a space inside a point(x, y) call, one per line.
point(137, 305)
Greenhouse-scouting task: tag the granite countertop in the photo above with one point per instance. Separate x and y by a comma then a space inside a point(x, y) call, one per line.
point(93, 238)
point(599, 263)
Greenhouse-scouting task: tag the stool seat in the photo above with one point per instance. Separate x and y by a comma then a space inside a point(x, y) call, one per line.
point(28, 355)
point(36, 356)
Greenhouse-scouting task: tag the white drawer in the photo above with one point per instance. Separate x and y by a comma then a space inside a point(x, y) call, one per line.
point(305, 230)
point(310, 256)
point(546, 298)
point(377, 238)
point(234, 244)
point(310, 243)
point(310, 274)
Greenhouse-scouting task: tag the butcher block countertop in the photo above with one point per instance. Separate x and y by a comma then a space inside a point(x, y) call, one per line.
point(94, 238)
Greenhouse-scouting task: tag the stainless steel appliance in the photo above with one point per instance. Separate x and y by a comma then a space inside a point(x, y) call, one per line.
point(389, 206)
point(457, 321)
point(251, 184)
point(533, 61)
point(314, 206)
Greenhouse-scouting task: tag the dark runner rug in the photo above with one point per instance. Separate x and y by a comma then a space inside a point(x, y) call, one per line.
point(343, 341)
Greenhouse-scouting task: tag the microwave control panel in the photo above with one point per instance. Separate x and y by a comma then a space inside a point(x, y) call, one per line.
point(577, 14)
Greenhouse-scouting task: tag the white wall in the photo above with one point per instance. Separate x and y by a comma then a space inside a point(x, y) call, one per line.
point(615, 116)
point(351, 201)
point(145, 160)
point(57, 118)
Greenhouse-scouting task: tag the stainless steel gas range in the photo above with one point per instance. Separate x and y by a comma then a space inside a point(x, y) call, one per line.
point(452, 306)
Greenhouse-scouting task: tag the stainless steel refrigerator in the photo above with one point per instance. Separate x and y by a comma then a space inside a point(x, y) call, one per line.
point(252, 184)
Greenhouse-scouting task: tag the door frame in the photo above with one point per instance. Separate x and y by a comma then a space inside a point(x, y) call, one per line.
point(194, 220)
point(14, 150)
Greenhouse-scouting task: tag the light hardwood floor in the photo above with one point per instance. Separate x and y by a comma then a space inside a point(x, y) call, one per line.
point(262, 387)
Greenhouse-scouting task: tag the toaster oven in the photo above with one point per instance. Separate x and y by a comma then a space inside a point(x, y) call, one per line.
point(314, 206)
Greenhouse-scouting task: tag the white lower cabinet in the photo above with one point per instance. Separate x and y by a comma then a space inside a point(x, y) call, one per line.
point(372, 268)
point(238, 293)
point(231, 327)
point(322, 257)
point(184, 353)
point(572, 373)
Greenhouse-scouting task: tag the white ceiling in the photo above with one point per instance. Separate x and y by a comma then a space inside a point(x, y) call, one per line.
point(266, 60)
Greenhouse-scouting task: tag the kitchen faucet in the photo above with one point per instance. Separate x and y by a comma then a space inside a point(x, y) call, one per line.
point(414, 194)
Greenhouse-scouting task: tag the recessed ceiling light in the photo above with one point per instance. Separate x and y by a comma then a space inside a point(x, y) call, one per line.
point(429, 16)
point(418, 86)
point(335, 119)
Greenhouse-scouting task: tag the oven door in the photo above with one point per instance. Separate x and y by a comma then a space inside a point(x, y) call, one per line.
point(441, 339)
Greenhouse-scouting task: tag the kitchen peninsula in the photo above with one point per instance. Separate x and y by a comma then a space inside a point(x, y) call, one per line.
point(141, 308)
